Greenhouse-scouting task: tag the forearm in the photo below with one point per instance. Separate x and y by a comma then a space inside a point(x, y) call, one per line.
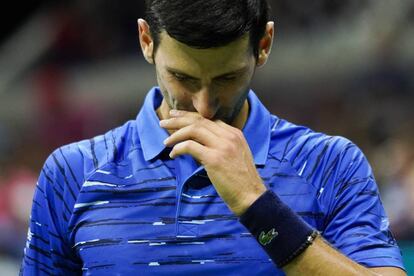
point(321, 259)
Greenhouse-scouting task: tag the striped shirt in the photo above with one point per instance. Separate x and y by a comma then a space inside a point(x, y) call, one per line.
point(118, 205)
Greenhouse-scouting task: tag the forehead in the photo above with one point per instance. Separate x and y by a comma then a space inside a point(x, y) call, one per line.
point(232, 56)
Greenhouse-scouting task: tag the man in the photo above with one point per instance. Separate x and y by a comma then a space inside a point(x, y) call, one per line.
point(205, 180)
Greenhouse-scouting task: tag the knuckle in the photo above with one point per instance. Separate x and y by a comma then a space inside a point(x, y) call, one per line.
point(229, 148)
point(234, 136)
point(193, 128)
point(215, 160)
point(239, 136)
point(185, 145)
point(189, 144)
point(200, 121)
point(238, 132)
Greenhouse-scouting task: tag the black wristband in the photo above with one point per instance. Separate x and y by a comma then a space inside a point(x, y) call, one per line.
point(280, 231)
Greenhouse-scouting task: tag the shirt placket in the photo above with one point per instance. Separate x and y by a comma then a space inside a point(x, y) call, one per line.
point(186, 171)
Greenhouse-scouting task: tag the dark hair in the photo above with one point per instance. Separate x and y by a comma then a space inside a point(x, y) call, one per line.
point(208, 23)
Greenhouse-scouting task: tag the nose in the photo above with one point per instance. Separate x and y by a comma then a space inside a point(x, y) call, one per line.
point(205, 102)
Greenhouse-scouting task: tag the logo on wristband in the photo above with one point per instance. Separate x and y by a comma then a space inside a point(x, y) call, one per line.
point(266, 238)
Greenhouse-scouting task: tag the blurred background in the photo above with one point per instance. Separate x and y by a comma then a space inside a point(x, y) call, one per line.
point(70, 70)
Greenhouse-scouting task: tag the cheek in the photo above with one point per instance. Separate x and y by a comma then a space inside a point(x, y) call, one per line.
point(169, 89)
point(176, 96)
point(234, 94)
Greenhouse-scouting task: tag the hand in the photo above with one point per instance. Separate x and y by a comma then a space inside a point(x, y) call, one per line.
point(224, 153)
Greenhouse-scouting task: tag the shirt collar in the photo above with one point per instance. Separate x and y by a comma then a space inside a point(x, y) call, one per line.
point(150, 133)
point(256, 130)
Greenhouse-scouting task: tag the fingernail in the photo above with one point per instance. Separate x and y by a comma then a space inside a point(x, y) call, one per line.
point(162, 123)
point(165, 141)
point(174, 112)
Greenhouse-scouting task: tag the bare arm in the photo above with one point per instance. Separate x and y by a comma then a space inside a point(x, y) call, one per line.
point(321, 259)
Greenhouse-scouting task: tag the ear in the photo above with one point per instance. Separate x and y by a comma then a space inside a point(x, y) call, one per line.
point(265, 44)
point(145, 39)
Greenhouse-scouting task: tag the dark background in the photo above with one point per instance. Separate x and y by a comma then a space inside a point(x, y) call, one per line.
point(70, 70)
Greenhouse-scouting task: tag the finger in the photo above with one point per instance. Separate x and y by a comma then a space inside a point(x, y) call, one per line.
point(196, 132)
point(230, 132)
point(177, 123)
point(190, 147)
point(179, 119)
point(226, 126)
point(180, 113)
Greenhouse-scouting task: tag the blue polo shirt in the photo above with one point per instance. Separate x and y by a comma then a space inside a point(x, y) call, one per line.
point(118, 205)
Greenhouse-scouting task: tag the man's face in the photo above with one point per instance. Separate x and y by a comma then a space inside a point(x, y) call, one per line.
point(213, 82)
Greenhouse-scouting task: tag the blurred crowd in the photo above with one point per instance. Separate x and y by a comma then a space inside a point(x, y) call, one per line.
point(371, 106)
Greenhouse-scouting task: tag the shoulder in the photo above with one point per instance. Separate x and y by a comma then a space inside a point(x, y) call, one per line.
point(289, 140)
point(309, 151)
point(78, 160)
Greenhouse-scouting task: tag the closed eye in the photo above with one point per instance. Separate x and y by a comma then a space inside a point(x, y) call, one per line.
point(227, 78)
point(181, 77)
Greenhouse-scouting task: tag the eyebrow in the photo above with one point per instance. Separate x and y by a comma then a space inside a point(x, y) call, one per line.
point(234, 72)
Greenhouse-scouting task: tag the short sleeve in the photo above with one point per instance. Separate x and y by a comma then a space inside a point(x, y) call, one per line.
point(48, 251)
point(356, 221)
